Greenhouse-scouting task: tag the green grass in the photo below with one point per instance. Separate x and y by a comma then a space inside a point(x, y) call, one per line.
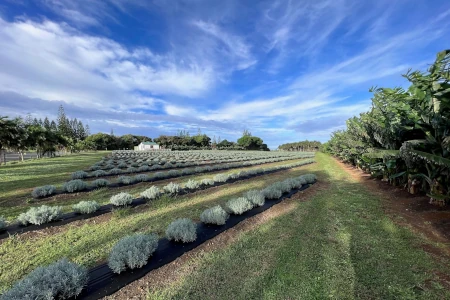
point(338, 245)
point(90, 242)
point(18, 180)
point(21, 181)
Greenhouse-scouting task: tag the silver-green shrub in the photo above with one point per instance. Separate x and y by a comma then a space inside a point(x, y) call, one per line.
point(122, 165)
point(207, 181)
point(131, 170)
point(294, 183)
point(221, 177)
point(309, 178)
point(151, 193)
point(3, 223)
point(40, 215)
point(121, 199)
point(99, 183)
point(174, 173)
point(43, 191)
point(238, 206)
point(86, 207)
point(74, 186)
point(255, 197)
point(214, 215)
point(132, 252)
point(60, 280)
point(192, 184)
point(283, 186)
point(115, 171)
point(99, 173)
point(234, 175)
point(302, 180)
point(126, 180)
point(272, 192)
point(187, 172)
point(144, 168)
point(79, 175)
point(182, 230)
point(172, 188)
point(160, 175)
point(141, 178)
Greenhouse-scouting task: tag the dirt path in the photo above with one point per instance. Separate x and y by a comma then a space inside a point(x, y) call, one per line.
point(185, 264)
point(413, 211)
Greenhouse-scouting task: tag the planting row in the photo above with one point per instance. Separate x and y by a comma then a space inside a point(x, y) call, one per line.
point(180, 160)
point(78, 185)
point(45, 214)
point(65, 279)
point(144, 166)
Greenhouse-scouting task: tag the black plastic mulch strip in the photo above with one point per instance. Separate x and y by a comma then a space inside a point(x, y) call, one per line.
point(71, 217)
point(115, 185)
point(103, 282)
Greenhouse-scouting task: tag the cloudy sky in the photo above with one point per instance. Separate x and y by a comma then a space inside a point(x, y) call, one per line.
point(285, 70)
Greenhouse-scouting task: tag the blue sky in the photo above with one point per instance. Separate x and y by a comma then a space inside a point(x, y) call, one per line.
point(285, 70)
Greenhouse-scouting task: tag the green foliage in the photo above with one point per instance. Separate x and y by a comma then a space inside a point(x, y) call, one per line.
point(60, 280)
point(121, 199)
point(192, 184)
point(272, 192)
point(141, 178)
point(221, 177)
point(404, 131)
point(99, 183)
point(40, 215)
point(172, 188)
point(115, 171)
point(238, 206)
point(86, 207)
point(79, 175)
point(99, 173)
point(309, 178)
point(207, 181)
point(182, 230)
point(301, 146)
point(126, 180)
point(255, 197)
point(73, 186)
point(215, 215)
point(151, 193)
point(43, 191)
point(132, 252)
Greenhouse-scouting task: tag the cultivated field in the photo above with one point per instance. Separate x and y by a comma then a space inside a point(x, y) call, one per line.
point(255, 225)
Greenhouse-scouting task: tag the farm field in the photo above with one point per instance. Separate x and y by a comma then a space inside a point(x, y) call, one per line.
point(332, 240)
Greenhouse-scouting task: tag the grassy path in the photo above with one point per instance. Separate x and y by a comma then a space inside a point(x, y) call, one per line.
point(338, 245)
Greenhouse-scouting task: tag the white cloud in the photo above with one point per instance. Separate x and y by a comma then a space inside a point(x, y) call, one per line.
point(56, 62)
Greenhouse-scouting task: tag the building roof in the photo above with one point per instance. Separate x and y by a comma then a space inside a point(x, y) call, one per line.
point(149, 143)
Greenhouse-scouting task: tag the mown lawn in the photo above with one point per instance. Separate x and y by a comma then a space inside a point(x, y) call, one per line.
point(18, 180)
point(20, 200)
point(89, 242)
point(338, 245)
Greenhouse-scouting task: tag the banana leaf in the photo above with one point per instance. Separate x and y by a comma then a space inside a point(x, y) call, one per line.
point(397, 175)
point(436, 159)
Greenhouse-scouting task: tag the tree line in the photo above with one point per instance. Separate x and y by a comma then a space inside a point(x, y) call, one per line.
point(405, 137)
point(184, 141)
point(301, 146)
point(64, 134)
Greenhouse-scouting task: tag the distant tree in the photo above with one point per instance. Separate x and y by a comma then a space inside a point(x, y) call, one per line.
point(47, 124)
point(87, 130)
point(250, 142)
point(246, 133)
point(80, 131)
point(53, 126)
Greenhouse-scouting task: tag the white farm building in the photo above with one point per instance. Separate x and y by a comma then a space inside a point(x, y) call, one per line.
point(147, 146)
